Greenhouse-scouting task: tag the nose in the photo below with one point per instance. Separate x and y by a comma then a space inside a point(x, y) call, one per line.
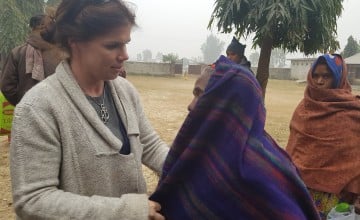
point(192, 104)
point(123, 55)
point(320, 80)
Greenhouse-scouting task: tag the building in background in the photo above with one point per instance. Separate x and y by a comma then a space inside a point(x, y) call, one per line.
point(353, 64)
point(300, 67)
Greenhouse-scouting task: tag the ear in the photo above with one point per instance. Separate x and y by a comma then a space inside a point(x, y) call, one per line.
point(73, 46)
point(72, 43)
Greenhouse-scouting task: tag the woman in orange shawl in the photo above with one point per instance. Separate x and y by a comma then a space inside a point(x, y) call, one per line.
point(324, 140)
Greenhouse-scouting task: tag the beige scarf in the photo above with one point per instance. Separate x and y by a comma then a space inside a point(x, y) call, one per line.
point(34, 63)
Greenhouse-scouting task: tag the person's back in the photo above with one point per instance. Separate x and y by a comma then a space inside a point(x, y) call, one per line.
point(29, 63)
point(223, 165)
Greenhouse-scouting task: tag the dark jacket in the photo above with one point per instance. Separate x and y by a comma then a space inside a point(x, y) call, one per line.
point(14, 80)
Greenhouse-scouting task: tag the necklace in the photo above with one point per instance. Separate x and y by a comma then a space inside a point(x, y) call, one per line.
point(103, 112)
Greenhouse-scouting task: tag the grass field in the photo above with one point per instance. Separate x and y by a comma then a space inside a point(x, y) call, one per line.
point(165, 102)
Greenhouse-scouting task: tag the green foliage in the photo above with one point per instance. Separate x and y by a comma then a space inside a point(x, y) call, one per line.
point(30, 7)
point(53, 2)
point(352, 47)
point(14, 19)
point(12, 26)
point(308, 26)
point(170, 58)
point(305, 25)
point(159, 56)
point(212, 48)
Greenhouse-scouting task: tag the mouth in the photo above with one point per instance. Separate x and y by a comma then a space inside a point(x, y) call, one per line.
point(117, 68)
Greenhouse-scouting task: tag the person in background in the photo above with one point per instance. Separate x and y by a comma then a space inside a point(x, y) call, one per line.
point(80, 136)
point(235, 52)
point(222, 164)
point(31, 62)
point(324, 135)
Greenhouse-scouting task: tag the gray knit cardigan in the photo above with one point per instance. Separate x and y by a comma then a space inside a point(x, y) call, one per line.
point(65, 163)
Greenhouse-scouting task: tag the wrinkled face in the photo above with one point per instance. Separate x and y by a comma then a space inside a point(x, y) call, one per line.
point(233, 56)
point(198, 90)
point(322, 77)
point(102, 58)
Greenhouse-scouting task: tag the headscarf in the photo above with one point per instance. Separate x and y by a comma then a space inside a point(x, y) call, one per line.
point(324, 133)
point(236, 47)
point(335, 64)
point(223, 165)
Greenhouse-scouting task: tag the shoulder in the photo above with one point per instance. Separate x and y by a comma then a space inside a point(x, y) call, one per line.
point(19, 49)
point(126, 92)
point(122, 84)
point(43, 93)
point(17, 52)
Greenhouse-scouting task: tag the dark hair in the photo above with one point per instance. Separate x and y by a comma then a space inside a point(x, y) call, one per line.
point(36, 20)
point(321, 60)
point(83, 20)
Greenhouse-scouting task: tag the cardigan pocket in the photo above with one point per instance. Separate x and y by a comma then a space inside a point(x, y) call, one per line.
point(113, 174)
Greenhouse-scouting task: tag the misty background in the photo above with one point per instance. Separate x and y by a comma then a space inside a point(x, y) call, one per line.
point(179, 27)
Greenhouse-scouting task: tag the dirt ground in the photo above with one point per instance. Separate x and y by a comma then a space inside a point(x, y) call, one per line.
point(165, 101)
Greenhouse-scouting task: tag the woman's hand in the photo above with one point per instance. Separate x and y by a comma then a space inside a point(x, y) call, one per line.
point(154, 209)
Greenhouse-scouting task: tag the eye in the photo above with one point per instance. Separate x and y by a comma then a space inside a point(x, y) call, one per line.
point(315, 75)
point(197, 92)
point(112, 46)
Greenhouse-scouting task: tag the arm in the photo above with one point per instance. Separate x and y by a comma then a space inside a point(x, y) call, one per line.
point(10, 79)
point(35, 161)
point(154, 149)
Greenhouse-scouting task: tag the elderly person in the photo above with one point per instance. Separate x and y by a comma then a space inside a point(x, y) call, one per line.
point(324, 135)
point(223, 165)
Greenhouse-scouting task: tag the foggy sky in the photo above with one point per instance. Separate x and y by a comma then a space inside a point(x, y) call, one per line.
point(180, 26)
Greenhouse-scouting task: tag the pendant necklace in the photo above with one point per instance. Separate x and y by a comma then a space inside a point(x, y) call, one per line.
point(103, 112)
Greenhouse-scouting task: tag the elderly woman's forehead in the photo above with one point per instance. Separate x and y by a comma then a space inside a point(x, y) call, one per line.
point(202, 80)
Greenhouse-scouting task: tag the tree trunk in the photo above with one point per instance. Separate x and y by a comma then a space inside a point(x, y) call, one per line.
point(262, 74)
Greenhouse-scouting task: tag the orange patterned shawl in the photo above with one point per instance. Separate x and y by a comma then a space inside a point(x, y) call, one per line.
point(324, 140)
